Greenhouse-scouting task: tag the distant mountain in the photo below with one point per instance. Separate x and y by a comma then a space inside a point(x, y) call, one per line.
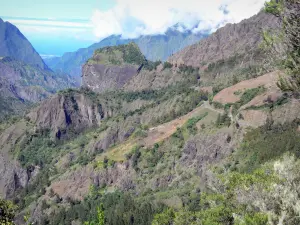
point(21, 85)
point(157, 139)
point(154, 47)
point(24, 77)
point(15, 45)
point(160, 47)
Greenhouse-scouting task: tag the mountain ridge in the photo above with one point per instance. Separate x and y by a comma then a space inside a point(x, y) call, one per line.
point(14, 44)
point(24, 77)
point(244, 36)
point(207, 137)
point(154, 47)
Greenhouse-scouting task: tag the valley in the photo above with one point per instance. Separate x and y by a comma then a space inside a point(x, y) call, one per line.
point(210, 135)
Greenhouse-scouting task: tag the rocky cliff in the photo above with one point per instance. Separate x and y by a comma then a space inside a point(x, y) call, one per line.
point(68, 113)
point(111, 67)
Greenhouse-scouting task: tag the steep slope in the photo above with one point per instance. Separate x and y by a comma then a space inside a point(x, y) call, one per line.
point(24, 77)
point(21, 85)
point(240, 40)
point(160, 152)
point(15, 45)
point(125, 67)
point(160, 47)
point(71, 62)
point(154, 47)
point(67, 112)
point(118, 153)
point(111, 67)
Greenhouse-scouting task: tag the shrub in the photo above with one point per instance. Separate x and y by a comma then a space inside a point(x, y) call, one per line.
point(7, 212)
point(268, 142)
point(167, 65)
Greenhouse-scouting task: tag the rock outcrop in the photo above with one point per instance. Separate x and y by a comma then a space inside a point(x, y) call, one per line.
point(13, 176)
point(101, 78)
point(66, 112)
point(125, 67)
point(110, 68)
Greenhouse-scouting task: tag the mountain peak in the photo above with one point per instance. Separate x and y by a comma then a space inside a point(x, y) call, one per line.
point(112, 67)
point(119, 55)
point(14, 44)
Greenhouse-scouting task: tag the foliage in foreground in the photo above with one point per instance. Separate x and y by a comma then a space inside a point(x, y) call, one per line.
point(7, 212)
point(288, 12)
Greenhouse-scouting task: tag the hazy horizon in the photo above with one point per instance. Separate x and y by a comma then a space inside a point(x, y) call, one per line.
point(58, 26)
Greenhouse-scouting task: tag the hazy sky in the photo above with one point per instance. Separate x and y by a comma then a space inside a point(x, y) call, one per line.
point(58, 26)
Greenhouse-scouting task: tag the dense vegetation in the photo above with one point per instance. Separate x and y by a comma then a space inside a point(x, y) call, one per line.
point(202, 168)
point(7, 212)
point(289, 13)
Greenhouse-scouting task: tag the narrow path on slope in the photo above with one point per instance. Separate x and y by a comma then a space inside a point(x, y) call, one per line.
point(161, 132)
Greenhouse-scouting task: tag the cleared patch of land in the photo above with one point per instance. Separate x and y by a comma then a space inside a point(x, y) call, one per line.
point(231, 94)
point(159, 133)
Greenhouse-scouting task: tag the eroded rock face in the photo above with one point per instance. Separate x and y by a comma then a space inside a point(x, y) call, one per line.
point(116, 134)
point(101, 78)
point(242, 38)
point(287, 113)
point(75, 185)
point(61, 113)
point(13, 176)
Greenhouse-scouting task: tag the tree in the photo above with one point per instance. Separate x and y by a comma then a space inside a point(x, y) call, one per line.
point(288, 11)
point(7, 212)
point(164, 218)
point(100, 217)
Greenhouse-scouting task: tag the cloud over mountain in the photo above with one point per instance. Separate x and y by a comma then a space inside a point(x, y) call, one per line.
point(132, 18)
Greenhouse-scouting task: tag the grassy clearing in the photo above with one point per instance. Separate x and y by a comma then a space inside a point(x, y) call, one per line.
point(118, 153)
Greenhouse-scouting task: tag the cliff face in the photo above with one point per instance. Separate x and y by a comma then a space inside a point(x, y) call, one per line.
point(68, 112)
point(14, 44)
point(13, 176)
point(102, 78)
point(243, 39)
point(110, 68)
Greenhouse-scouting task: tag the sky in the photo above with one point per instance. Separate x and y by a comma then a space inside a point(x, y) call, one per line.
point(58, 26)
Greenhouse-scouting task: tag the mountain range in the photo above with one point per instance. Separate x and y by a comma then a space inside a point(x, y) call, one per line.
point(24, 77)
point(154, 47)
point(205, 137)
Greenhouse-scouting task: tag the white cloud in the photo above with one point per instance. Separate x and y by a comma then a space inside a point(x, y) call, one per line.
point(51, 23)
point(148, 17)
point(55, 28)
